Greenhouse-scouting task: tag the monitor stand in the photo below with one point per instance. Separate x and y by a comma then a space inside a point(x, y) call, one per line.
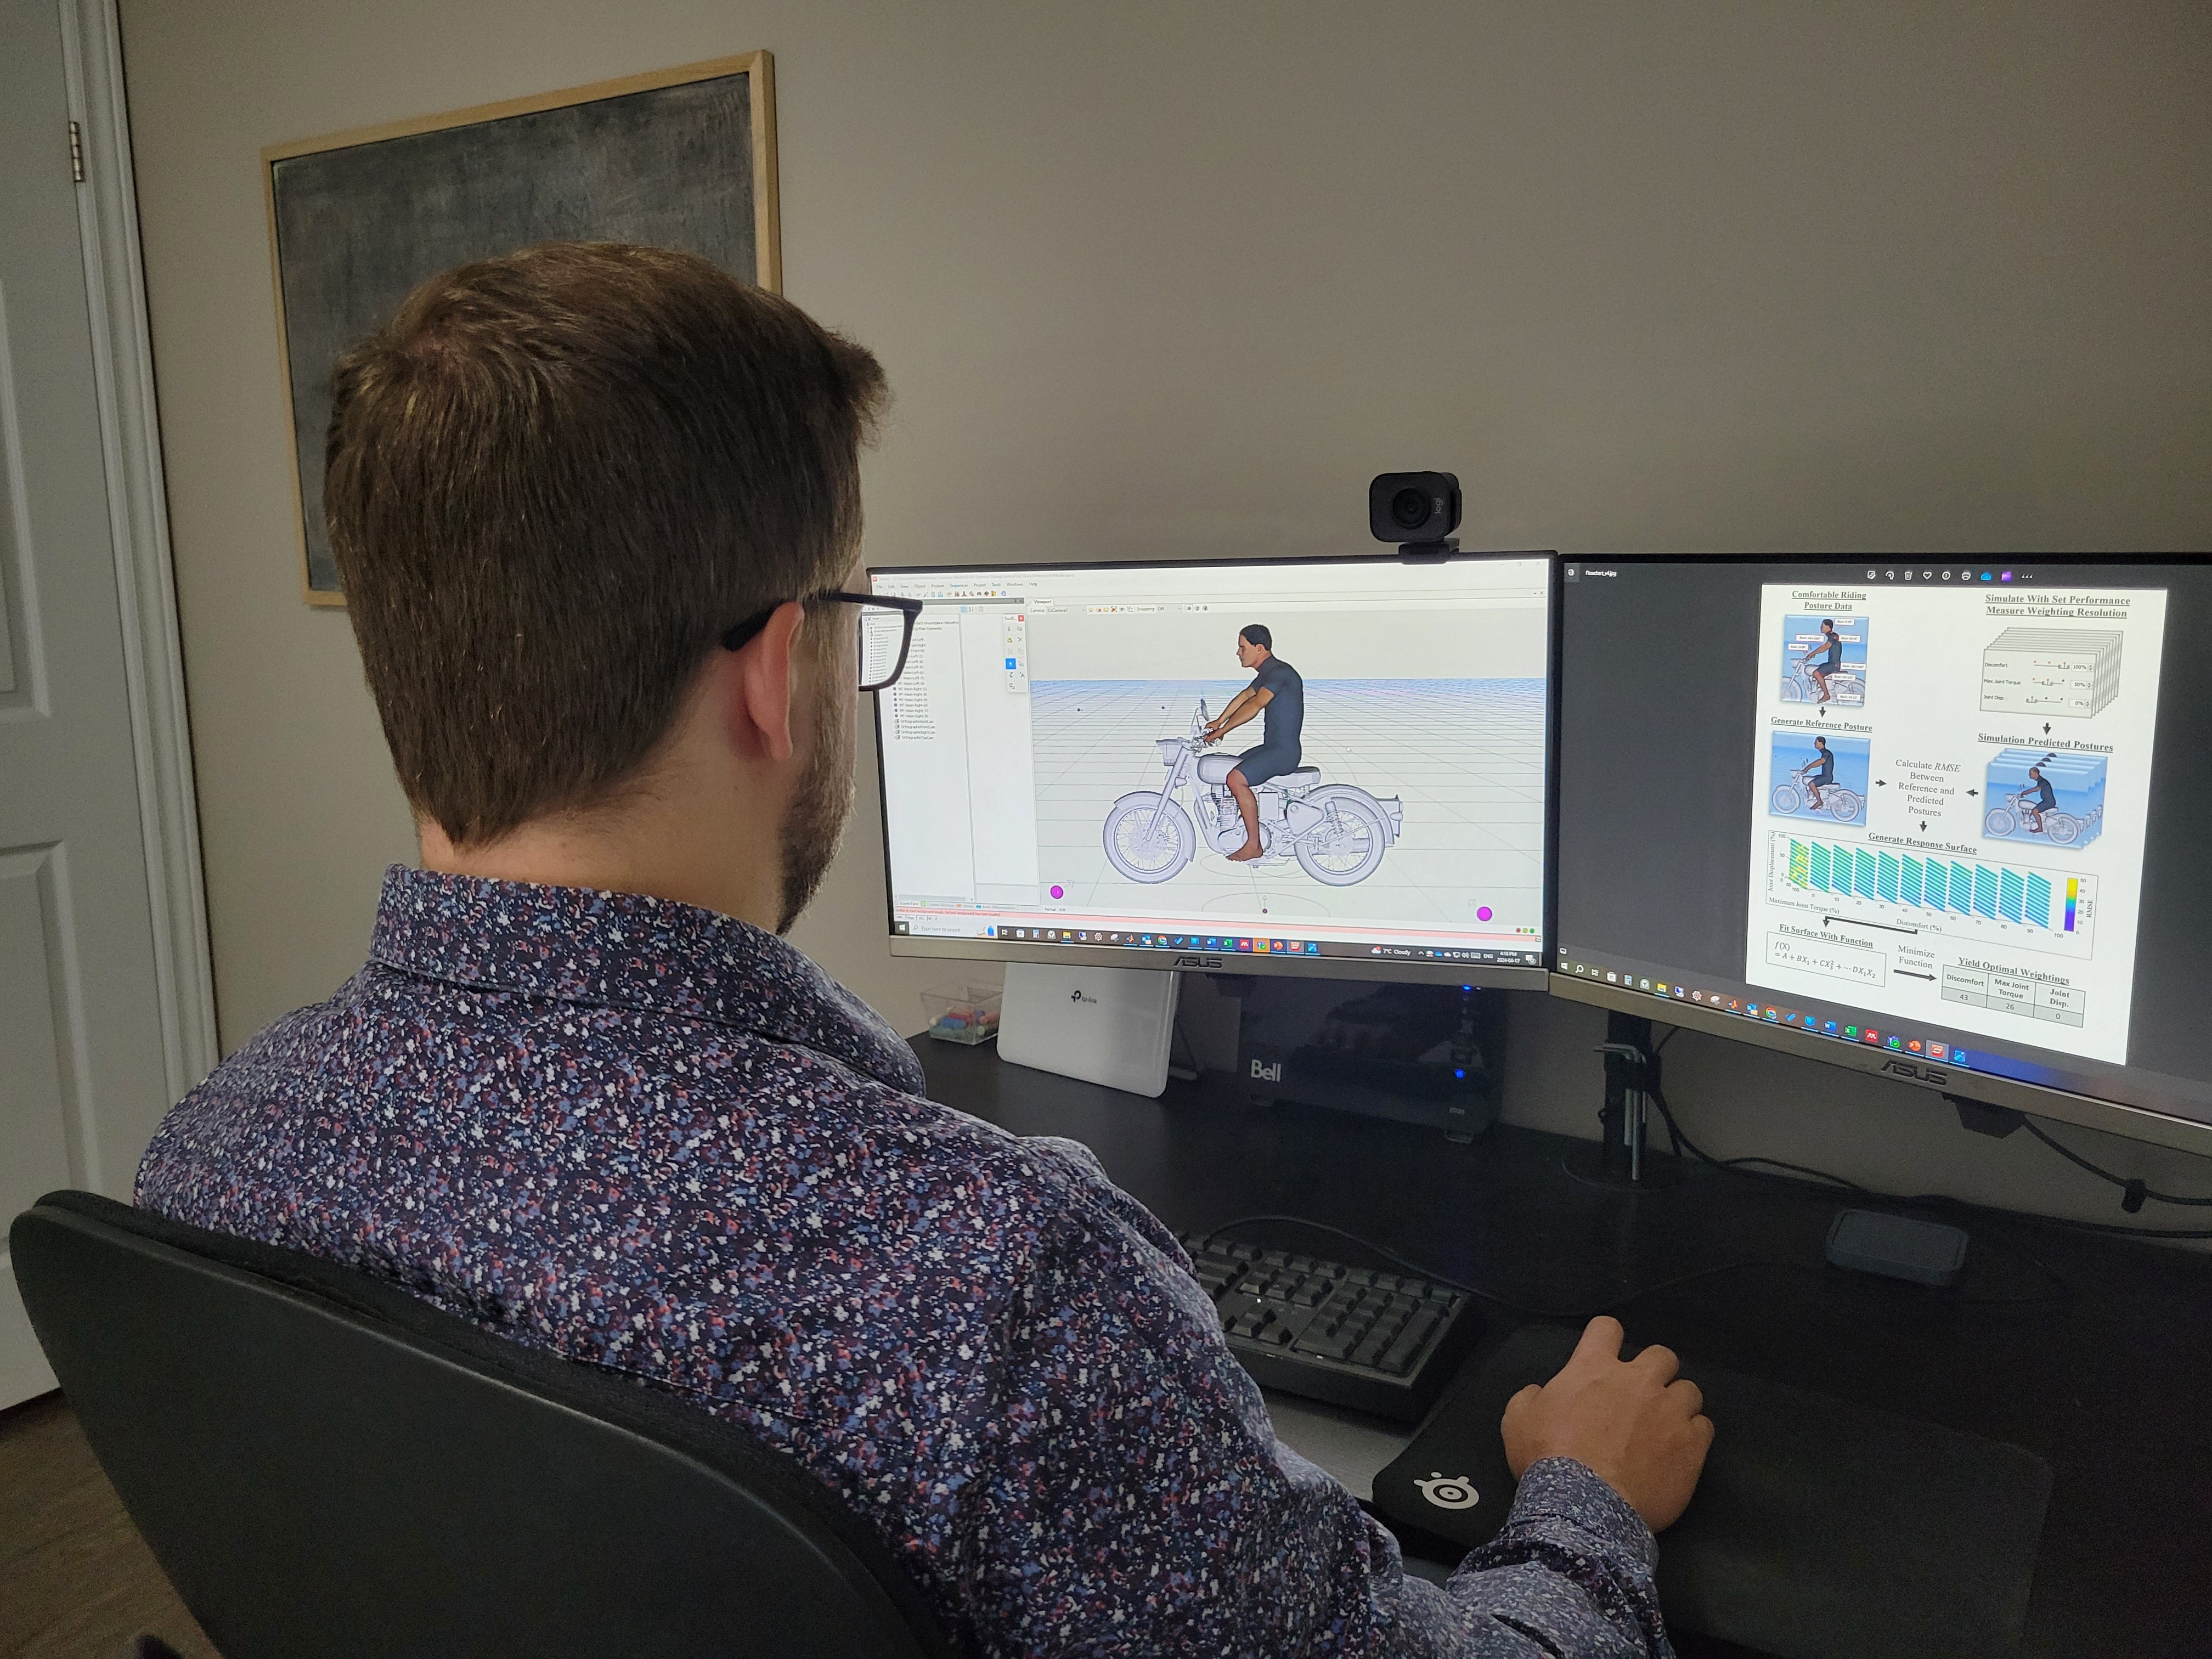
point(1109, 1025)
point(1624, 1157)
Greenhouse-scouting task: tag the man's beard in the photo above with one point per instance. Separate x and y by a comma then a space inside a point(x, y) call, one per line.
point(814, 823)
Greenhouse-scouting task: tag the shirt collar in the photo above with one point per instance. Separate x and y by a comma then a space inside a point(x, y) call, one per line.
point(628, 950)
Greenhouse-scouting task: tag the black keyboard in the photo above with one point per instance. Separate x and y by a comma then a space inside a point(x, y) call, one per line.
point(1380, 1342)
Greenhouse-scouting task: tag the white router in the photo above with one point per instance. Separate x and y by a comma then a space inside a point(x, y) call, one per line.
point(1109, 1025)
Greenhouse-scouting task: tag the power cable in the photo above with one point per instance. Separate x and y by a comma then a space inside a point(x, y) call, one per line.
point(2136, 1192)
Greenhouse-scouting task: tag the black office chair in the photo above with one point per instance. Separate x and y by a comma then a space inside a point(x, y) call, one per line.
point(326, 1465)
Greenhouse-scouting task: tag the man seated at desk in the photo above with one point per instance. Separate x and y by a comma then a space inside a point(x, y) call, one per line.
point(597, 510)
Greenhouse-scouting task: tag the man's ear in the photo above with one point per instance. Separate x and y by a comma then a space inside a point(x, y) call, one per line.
point(759, 712)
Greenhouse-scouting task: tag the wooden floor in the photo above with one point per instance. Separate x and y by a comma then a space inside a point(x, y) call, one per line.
point(76, 1581)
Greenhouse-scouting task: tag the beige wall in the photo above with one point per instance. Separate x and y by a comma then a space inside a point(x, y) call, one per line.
point(1174, 279)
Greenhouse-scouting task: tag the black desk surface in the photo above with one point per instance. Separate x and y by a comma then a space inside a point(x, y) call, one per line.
point(2095, 1353)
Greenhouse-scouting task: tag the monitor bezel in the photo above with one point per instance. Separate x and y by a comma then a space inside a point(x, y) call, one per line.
point(2087, 1111)
point(2061, 1105)
point(1488, 975)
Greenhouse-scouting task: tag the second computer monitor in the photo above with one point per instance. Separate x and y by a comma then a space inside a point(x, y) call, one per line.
point(1332, 766)
point(1941, 818)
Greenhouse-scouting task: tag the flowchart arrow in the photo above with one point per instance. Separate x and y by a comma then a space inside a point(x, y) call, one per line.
point(1908, 974)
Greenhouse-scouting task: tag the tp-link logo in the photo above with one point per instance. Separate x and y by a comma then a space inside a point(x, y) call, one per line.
point(1082, 996)
point(1266, 1073)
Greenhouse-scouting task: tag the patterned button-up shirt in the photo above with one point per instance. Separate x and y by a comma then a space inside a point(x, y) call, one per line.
point(658, 1140)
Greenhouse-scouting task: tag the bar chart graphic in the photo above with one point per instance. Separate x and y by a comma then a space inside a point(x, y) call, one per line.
point(1932, 893)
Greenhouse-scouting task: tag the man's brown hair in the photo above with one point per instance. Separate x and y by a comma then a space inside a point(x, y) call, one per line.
point(554, 480)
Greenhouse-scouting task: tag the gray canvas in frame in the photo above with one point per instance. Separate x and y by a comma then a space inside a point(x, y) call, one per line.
point(358, 226)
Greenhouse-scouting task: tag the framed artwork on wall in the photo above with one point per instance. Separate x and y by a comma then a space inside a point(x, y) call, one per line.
point(683, 158)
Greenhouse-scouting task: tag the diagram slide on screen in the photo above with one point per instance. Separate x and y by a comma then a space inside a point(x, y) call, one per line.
point(1948, 808)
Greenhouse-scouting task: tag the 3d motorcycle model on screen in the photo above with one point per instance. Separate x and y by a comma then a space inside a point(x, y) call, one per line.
point(1338, 832)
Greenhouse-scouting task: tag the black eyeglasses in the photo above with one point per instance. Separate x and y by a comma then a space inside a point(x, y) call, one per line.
point(886, 633)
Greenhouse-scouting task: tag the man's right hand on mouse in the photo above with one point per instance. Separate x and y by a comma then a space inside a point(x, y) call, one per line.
point(1633, 1423)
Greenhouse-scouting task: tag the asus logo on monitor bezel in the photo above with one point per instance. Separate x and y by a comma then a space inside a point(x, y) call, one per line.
point(1197, 962)
point(1934, 1075)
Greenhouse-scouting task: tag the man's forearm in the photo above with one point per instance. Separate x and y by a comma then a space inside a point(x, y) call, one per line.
point(1570, 1571)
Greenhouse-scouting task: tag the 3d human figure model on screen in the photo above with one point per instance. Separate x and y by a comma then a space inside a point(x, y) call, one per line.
point(2056, 798)
point(1259, 808)
point(1818, 772)
point(1278, 695)
point(1829, 649)
point(1827, 780)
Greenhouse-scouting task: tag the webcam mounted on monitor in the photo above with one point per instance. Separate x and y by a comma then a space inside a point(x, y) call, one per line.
point(1417, 511)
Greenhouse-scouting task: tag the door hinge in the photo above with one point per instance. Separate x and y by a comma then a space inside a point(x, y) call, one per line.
point(77, 152)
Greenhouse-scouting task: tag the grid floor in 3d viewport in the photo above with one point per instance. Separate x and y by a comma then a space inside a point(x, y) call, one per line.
point(1465, 756)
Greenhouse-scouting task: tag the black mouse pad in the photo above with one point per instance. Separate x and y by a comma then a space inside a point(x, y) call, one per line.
point(1819, 1530)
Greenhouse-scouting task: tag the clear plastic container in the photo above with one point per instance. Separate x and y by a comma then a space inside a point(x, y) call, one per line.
point(968, 1015)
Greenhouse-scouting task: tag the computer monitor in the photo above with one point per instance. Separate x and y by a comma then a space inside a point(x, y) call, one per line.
point(1051, 792)
point(1942, 818)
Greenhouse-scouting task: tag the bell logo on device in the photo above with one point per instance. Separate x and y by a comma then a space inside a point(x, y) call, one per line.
point(1449, 1492)
point(1267, 1073)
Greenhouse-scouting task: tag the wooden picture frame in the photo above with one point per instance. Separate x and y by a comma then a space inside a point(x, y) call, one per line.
point(358, 218)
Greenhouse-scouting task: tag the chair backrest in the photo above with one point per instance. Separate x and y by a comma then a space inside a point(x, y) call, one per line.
point(326, 1465)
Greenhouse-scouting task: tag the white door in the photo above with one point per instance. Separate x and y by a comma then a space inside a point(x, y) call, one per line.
point(82, 1079)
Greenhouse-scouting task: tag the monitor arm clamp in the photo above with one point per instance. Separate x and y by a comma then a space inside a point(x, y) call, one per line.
point(1623, 1156)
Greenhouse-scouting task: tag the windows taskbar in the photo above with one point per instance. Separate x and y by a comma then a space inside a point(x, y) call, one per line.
point(1756, 1006)
point(1256, 944)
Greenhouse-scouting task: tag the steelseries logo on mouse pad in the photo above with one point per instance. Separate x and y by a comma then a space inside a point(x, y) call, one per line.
point(1449, 1492)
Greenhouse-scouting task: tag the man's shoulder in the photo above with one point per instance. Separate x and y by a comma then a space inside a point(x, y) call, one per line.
point(450, 1071)
point(254, 1093)
point(339, 1117)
